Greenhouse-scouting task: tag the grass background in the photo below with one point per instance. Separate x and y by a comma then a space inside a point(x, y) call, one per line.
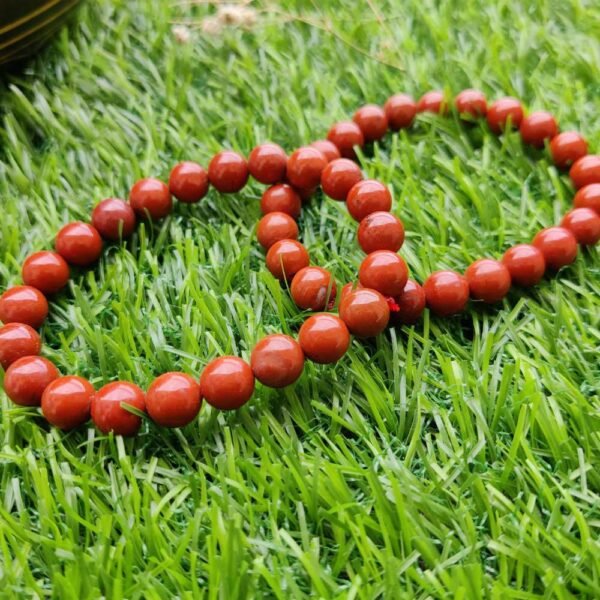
point(455, 459)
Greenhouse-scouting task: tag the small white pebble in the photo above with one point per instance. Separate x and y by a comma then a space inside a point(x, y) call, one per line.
point(182, 34)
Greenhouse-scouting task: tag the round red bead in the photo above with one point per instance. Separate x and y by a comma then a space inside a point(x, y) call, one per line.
point(26, 379)
point(585, 171)
point(79, 244)
point(558, 245)
point(400, 111)
point(525, 263)
point(433, 102)
point(277, 360)
point(411, 303)
point(173, 399)
point(566, 148)
point(150, 199)
point(588, 197)
point(227, 383)
point(16, 341)
point(188, 182)
point(372, 121)
point(228, 172)
point(305, 166)
point(285, 258)
point(471, 103)
point(281, 198)
point(66, 402)
point(267, 163)
point(46, 271)
point(328, 149)
point(346, 135)
point(584, 224)
point(107, 412)
point(313, 288)
point(367, 197)
point(23, 304)
point(365, 312)
point(324, 338)
point(384, 271)
point(114, 219)
point(381, 231)
point(349, 287)
point(489, 280)
point(274, 227)
point(503, 113)
point(538, 127)
point(339, 176)
point(447, 292)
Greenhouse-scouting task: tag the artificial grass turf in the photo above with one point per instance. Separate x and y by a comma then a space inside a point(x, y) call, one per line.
point(458, 458)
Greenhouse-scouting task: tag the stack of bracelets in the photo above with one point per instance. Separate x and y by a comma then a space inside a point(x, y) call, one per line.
point(382, 294)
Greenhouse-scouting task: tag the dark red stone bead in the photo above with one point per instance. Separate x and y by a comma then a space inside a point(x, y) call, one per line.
point(281, 198)
point(150, 199)
point(365, 312)
point(346, 135)
point(46, 271)
point(367, 197)
point(228, 172)
point(411, 303)
point(588, 197)
point(372, 121)
point(584, 224)
point(27, 378)
point(380, 231)
point(277, 360)
point(114, 219)
point(566, 148)
point(108, 414)
point(267, 163)
point(385, 272)
point(585, 171)
point(558, 245)
point(471, 104)
point(324, 338)
point(400, 111)
point(188, 182)
point(274, 227)
point(503, 113)
point(16, 341)
point(433, 102)
point(447, 292)
point(305, 166)
point(285, 258)
point(489, 280)
point(313, 288)
point(525, 263)
point(328, 149)
point(79, 244)
point(66, 402)
point(339, 176)
point(227, 383)
point(538, 127)
point(23, 304)
point(173, 399)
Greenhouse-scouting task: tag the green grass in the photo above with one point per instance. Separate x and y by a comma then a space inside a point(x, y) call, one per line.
point(456, 459)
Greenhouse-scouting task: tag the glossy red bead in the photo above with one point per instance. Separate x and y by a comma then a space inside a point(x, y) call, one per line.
point(66, 402)
point(372, 121)
point(173, 399)
point(23, 304)
point(525, 263)
point(324, 338)
point(584, 224)
point(188, 182)
point(365, 312)
point(538, 127)
point(503, 113)
point(107, 412)
point(585, 171)
point(566, 148)
point(305, 166)
point(227, 383)
point(277, 360)
point(26, 379)
point(16, 341)
point(281, 198)
point(489, 280)
point(46, 271)
point(346, 135)
point(313, 288)
point(447, 292)
point(588, 197)
point(384, 271)
point(471, 104)
point(338, 178)
point(411, 304)
point(274, 227)
point(150, 199)
point(114, 219)
point(79, 244)
point(400, 110)
point(366, 197)
point(558, 245)
point(380, 231)
point(328, 149)
point(228, 172)
point(433, 102)
point(285, 258)
point(267, 163)
point(349, 287)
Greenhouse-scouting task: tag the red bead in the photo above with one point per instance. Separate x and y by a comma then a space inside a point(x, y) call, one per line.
point(447, 292)
point(384, 271)
point(471, 103)
point(525, 263)
point(349, 287)
point(274, 227)
point(433, 102)
point(16, 341)
point(372, 121)
point(227, 383)
point(328, 149)
point(150, 199)
point(584, 224)
point(285, 258)
point(304, 167)
point(505, 112)
point(365, 312)
point(558, 245)
point(538, 127)
point(107, 413)
point(400, 111)
point(339, 176)
point(346, 135)
point(380, 231)
point(114, 219)
point(585, 171)
point(66, 402)
point(489, 280)
point(46, 271)
point(367, 197)
point(313, 288)
point(228, 172)
point(588, 197)
point(411, 303)
point(281, 198)
point(277, 360)
point(173, 400)
point(27, 378)
point(324, 338)
point(188, 182)
point(79, 244)
point(23, 304)
point(566, 148)
point(267, 163)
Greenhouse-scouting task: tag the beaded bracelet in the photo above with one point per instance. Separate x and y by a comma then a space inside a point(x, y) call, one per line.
point(383, 293)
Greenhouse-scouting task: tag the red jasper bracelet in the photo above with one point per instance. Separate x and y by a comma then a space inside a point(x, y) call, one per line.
point(383, 293)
